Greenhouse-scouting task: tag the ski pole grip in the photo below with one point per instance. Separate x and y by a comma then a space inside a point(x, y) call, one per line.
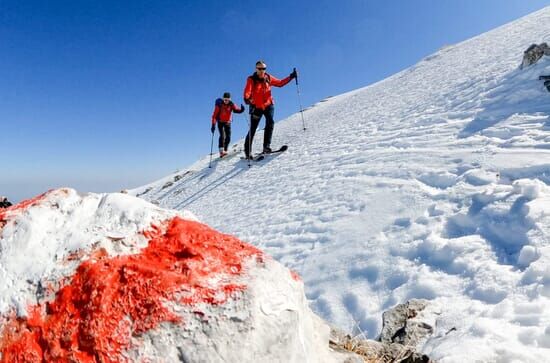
point(296, 79)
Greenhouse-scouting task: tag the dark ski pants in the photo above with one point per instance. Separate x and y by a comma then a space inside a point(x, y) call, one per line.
point(225, 134)
point(255, 117)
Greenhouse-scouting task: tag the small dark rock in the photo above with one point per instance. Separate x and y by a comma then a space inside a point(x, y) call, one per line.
point(145, 192)
point(4, 202)
point(167, 185)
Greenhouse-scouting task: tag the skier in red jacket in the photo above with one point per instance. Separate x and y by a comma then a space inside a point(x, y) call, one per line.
point(257, 94)
point(222, 116)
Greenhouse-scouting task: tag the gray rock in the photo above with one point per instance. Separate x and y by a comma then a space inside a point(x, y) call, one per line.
point(534, 53)
point(373, 351)
point(400, 326)
point(168, 184)
point(145, 192)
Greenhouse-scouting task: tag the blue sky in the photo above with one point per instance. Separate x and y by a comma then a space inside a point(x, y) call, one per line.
point(105, 95)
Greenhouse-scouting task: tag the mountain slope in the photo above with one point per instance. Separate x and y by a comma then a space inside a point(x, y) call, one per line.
point(430, 184)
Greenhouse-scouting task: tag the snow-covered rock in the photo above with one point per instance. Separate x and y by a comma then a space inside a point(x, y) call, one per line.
point(112, 278)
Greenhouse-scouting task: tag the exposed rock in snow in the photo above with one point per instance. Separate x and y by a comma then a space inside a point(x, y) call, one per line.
point(407, 324)
point(406, 327)
point(534, 53)
point(112, 278)
point(374, 351)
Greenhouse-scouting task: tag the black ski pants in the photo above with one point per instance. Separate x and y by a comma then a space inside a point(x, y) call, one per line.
point(225, 134)
point(255, 116)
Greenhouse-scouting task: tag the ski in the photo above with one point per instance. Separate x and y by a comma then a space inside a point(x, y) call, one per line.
point(280, 150)
point(261, 156)
point(254, 158)
point(229, 155)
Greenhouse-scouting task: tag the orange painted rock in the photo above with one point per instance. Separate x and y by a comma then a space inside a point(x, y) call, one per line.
point(167, 288)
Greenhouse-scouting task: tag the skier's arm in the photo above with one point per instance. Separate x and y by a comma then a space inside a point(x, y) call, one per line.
point(248, 91)
point(280, 82)
point(215, 115)
point(238, 109)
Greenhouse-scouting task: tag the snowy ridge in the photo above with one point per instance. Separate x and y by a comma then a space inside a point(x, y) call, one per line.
point(433, 183)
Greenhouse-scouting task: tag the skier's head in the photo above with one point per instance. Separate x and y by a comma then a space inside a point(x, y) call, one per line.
point(261, 67)
point(226, 97)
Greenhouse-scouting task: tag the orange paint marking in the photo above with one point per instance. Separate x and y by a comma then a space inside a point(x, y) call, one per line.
point(110, 299)
point(295, 276)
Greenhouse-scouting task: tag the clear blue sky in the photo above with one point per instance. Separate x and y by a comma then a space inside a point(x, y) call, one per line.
point(105, 95)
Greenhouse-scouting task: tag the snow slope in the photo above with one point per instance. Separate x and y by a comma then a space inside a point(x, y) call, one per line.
point(433, 183)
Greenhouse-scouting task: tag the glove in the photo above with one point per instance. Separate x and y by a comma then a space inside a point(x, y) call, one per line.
point(213, 128)
point(242, 107)
point(294, 74)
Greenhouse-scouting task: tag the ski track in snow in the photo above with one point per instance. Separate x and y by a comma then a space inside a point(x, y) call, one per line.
point(430, 184)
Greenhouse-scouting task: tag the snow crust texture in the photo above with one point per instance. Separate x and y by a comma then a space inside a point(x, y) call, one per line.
point(432, 184)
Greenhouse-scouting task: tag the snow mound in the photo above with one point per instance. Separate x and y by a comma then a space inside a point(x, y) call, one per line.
point(112, 278)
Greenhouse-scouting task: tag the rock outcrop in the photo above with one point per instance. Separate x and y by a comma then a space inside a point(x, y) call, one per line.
point(402, 324)
point(534, 53)
point(404, 329)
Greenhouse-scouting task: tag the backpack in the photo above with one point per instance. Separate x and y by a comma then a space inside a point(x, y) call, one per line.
point(256, 79)
point(219, 102)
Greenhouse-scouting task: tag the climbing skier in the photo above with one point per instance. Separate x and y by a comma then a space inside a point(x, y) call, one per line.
point(222, 116)
point(257, 94)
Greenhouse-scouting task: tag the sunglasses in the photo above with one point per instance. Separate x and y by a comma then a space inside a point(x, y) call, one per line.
point(261, 68)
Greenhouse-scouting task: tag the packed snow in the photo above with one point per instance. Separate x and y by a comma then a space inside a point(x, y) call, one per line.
point(433, 183)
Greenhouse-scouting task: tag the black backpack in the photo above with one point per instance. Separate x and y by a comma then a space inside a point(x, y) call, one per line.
point(257, 79)
point(219, 102)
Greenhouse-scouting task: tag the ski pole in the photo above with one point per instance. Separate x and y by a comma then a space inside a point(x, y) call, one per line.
point(300, 101)
point(249, 121)
point(211, 149)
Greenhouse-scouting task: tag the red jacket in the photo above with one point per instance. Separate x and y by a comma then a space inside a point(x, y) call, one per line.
point(222, 111)
point(258, 90)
